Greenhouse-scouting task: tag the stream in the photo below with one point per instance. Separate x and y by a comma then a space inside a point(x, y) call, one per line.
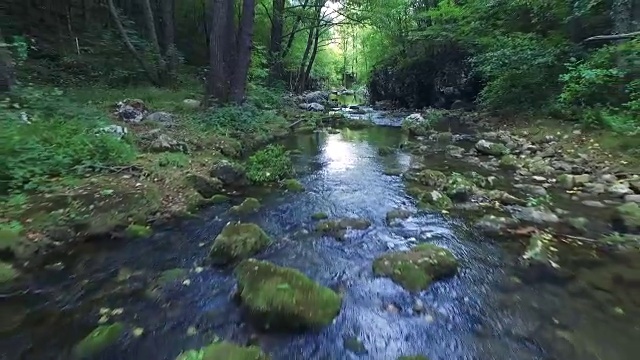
point(484, 312)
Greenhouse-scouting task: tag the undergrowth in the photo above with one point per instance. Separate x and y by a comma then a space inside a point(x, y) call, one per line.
point(270, 164)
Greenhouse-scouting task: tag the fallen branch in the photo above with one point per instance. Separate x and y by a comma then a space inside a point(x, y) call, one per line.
point(613, 37)
point(295, 123)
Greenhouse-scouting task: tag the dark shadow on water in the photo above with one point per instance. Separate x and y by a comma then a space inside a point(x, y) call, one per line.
point(479, 314)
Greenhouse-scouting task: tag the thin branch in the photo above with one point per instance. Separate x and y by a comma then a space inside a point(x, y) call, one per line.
point(613, 37)
point(266, 10)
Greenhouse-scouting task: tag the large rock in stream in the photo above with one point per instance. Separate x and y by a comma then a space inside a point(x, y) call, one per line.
point(282, 298)
point(417, 268)
point(489, 148)
point(224, 350)
point(238, 241)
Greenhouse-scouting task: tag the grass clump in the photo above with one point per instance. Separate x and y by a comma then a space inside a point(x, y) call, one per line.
point(269, 164)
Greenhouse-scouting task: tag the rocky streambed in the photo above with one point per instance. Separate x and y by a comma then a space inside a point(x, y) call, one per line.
point(436, 241)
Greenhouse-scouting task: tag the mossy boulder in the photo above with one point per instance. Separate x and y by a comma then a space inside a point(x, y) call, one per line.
point(248, 206)
point(627, 217)
point(508, 162)
point(229, 173)
point(459, 188)
point(417, 268)
point(238, 241)
point(435, 200)
point(338, 228)
point(319, 216)
point(489, 148)
point(431, 178)
point(397, 214)
point(98, 340)
point(206, 187)
point(292, 185)
point(7, 272)
point(283, 298)
point(224, 351)
point(218, 199)
point(138, 231)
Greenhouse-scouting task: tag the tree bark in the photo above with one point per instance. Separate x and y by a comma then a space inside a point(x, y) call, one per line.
point(294, 30)
point(151, 72)
point(275, 45)
point(217, 80)
point(7, 75)
point(239, 79)
point(161, 64)
point(167, 8)
point(314, 52)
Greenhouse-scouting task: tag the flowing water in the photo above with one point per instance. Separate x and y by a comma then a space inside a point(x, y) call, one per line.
point(482, 313)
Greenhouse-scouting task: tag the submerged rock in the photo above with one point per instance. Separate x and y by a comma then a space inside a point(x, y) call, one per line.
point(397, 214)
point(435, 200)
point(98, 340)
point(224, 350)
point(386, 150)
point(417, 268)
point(292, 185)
point(338, 228)
point(238, 241)
point(489, 148)
point(319, 216)
point(248, 206)
point(231, 174)
point(354, 345)
point(284, 298)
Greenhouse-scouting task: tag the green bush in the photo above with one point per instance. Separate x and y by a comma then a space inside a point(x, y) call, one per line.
point(240, 121)
point(270, 164)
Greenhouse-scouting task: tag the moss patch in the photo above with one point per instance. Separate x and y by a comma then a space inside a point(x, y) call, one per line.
point(248, 206)
point(279, 297)
point(627, 217)
point(432, 178)
point(7, 272)
point(238, 241)
point(508, 162)
point(292, 185)
point(319, 216)
point(338, 228)
point(417, 268)
point(98, 340)
point(138, 231)
point(434, 200)
point(224, 350)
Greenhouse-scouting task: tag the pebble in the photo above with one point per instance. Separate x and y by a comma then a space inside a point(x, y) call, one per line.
point(632, 198)
point(539, 178)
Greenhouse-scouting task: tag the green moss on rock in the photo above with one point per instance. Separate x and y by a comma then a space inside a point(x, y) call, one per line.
point(248, 206)
point(319, 216)
point(7, 272)
point(224, 351)
point(279, 297)
point(293, 185)
point(417, 268)
point(432, 178)
point(218, 199)
point(627, 217)
point(138, 231)
point(98, 340)
point(459, 188)
point(337, 228)
point(508, 162)
point(435, 200)
point(238, 241)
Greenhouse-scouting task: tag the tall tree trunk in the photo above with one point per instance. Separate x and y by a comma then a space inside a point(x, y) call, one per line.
point(161, 64)
point(217, 79)
point(7, 79)
point(245, 34)
point(312, 59)
point(275, 45)
point(167, 8)
point(303, 62)
point(231, 38)
point(149, 70)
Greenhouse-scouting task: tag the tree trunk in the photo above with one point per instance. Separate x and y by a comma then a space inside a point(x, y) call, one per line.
point(149, 70)
point(275, 46)
point(303, 62)
point(294, 29)
point(314, 52)
point(7, 76)
point(231, 38)
point(167, 8)
point(161, 64)
point(239, 79)
point(217, 79)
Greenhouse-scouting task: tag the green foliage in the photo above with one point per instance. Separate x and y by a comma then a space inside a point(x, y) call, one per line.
point(270, 164)
point(174, 160)
point(240, 120)
point(537, 201)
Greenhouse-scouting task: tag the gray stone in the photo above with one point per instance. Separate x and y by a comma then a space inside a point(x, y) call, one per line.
point(595, 188)
point(231, 174)
point(192, 103)
point(619, 190)
point(608, 178)
point(488, 148)
point(536, 190)
point(593, 203)
point(494, 225)
point(161, 117)
point(166, 143)
point(315, 107)
point(115, 130)
point(632, 198)
point(536, 215)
